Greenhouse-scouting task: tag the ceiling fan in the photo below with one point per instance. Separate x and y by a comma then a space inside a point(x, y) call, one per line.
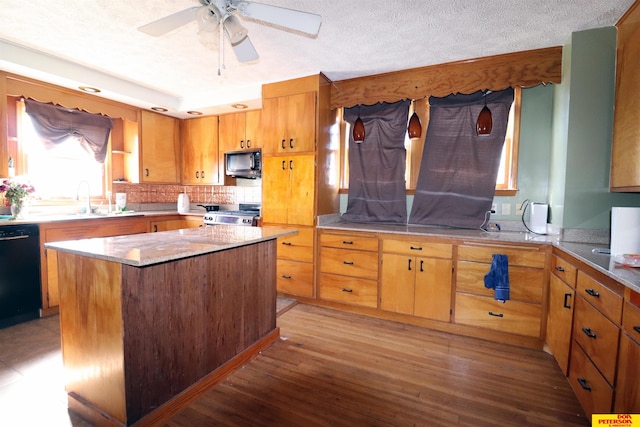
point(222, 16)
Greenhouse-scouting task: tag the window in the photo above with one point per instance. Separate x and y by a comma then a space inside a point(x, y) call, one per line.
point(57, 172)
point(506, 183)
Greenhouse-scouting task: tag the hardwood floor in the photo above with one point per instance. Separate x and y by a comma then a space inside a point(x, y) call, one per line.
point(328, 369)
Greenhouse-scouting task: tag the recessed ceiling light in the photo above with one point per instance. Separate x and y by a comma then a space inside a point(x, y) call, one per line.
point(159, 109)
point(240, 106)
point(89, 89)
point(194, 113)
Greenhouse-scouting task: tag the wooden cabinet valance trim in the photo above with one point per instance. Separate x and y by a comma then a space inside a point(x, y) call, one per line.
point(44, 92)
point(524, 69)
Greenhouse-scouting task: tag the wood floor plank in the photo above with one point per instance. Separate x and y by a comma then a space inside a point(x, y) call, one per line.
point(340, 369)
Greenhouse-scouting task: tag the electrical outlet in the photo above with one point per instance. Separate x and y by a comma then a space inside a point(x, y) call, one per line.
point(494, 207)
point(506, 209)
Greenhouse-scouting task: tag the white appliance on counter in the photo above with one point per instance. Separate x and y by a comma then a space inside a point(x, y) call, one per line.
point(538, 217)
point(625, 230)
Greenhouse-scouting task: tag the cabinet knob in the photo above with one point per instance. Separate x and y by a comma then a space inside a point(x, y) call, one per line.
point(637, 329)
point(566, 300)
point(415, 248)
point(291, 143)
point(155, 228)
point(146, 172)
point(587, 332)
point(283, 141)
point(347, 262)
point(202, 174)
point(248, 143)
point(560, 268)
point(491, 313)
point(409, 264)
point(286, 243)
point(347, 242)
point(347, 290)
point(421, 265)
point(197, 175)
point(285, 276)
point(241, 143)
point(283, 163)
point(291, 164)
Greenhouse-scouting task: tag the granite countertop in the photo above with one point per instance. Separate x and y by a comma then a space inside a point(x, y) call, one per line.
point(152, 248)
point(604, 263)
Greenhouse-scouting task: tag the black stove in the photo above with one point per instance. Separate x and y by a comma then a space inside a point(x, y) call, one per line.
point(247, 215)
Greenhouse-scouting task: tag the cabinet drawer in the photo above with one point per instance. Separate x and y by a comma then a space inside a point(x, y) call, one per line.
point(513, 316)
point(525, 284)
point(564, 270)
point(603, 298)
point(598, 336)
point(97, 228)
point(593, 391)
point(417, 248)
point(349, 263)
point(298, 247)
point(631, 321)
point(525, 257)
point(350, 290)
point(349, 241)
point(295, 277)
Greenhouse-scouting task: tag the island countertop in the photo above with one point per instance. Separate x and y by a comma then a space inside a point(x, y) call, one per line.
point(140, 250)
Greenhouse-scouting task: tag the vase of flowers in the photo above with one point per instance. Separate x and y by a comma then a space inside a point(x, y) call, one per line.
point(17, 195)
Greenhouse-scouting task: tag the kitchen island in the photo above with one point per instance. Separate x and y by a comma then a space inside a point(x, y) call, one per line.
point(150, 321)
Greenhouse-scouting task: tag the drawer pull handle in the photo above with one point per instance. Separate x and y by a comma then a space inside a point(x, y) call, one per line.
point(583, 384)
point(347, 262)
point(421, 264)
point(283, 144)
point(286, 243)
point(491, 313)
point(415, 248)
point(409, 266)
point(560, 268)
point(285, 276)
point(291, 143)
point(347, 290)
point(637, 329)
point(566, 300)
point(588, 332)
point(592, 292)
point(345, 242)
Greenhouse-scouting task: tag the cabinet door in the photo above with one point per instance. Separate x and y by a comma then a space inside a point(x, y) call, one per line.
point(397, 289)
point(561, 299)
point(200, 151)
point(160, 148)
point(232, 132)
point(628, 389)
point(174, 224)
point(275, 189)
point(289, 123)
point(433, 289)
point(301, 200)
point(253, 129)
point(301, 120)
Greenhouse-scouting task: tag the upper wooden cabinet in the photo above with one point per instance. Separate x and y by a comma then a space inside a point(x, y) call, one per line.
point(241, 131)
point(289, 123)
point(159, 148)
point(200, 150)
point(625, 156)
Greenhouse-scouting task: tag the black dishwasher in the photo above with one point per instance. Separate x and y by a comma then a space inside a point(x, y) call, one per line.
point(20, 298)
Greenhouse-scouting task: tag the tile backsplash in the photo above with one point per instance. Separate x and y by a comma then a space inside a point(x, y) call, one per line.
point(205, 194)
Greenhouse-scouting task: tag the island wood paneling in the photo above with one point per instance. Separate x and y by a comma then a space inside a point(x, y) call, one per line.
point(525, 69)
point(133, 338)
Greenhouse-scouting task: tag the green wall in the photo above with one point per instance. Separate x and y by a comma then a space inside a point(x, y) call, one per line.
point(583, 131)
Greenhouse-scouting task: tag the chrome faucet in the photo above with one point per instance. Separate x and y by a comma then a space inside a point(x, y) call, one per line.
point(87, 207)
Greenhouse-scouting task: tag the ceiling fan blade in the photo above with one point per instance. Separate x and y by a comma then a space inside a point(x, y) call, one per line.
point(170, 22)
point(245, 52)
point(289, 18)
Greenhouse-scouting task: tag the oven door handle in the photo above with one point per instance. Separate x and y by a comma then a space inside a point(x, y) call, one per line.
point(2, 239)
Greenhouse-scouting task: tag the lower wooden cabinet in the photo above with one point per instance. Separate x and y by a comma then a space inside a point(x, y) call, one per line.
point(475, 304)
point(594, 392)
point(559, 320)
point(176, 224)
point(416, 278)
point(349, 268)
point(627, 398)
point(295, 262)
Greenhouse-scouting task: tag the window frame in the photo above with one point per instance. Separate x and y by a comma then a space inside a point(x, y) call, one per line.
point(415, 147)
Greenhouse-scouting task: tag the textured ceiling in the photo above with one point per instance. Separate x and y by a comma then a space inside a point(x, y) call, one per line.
point(96, 43)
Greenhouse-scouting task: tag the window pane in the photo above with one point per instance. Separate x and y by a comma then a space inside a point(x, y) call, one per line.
point(57, 172)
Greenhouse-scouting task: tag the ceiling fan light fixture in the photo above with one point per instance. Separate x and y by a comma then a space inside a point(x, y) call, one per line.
point(207, 19)
point(235, 31)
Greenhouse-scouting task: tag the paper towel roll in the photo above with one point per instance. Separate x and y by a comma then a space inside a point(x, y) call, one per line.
point(625, 231)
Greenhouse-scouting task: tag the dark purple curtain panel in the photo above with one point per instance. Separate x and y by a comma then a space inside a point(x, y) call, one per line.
point(377, 189)
point(55, 124)
point(458, 172)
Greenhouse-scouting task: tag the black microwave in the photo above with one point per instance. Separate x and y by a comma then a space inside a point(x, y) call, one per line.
point(243, 164)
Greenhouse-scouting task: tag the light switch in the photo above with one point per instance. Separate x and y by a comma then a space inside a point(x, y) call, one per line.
point(506, 209)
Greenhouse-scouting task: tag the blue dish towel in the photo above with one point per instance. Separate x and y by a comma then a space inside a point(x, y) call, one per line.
point(498, 277)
